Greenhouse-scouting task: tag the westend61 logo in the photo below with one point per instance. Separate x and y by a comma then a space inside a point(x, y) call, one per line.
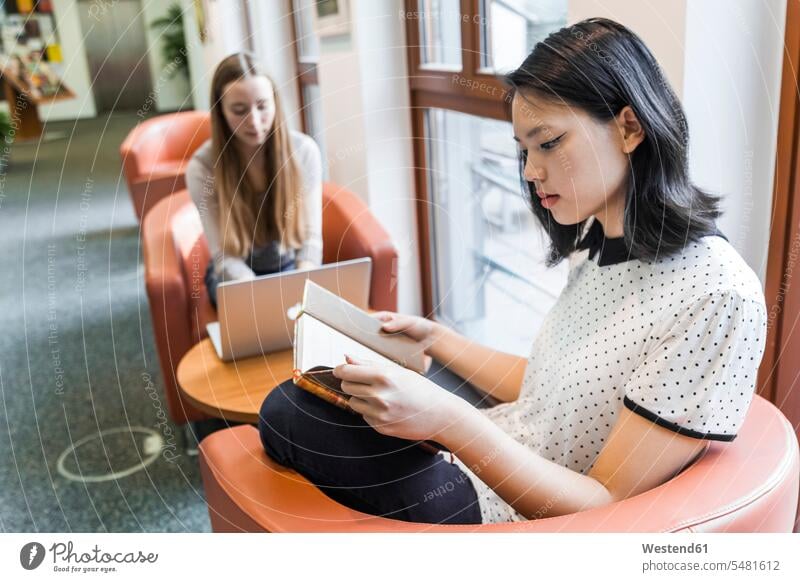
point(65, 559)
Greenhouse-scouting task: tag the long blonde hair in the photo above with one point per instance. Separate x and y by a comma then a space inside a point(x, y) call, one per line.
point(244, 223)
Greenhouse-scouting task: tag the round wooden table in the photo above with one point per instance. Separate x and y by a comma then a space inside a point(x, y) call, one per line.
point(231, 390)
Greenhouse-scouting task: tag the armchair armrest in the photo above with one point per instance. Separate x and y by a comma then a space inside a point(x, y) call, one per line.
point(165, 284)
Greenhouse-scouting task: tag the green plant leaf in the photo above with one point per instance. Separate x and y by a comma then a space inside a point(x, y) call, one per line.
point(173, 41)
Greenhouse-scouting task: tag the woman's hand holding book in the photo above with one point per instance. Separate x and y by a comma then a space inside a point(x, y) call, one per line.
point(396, 401)
point(417, 328)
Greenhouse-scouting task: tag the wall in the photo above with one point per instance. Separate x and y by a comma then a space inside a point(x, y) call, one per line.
point(389, 139)
point(731, 96)
point(365, 101)
point(198, 82)
point(661, 25)
point(226, 34)
point(272, 42)
point(170, 94)
point(723, 58)
point(343, 114)
point(76, 67)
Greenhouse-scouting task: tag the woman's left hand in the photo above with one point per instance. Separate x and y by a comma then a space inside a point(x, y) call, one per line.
point(396, 401)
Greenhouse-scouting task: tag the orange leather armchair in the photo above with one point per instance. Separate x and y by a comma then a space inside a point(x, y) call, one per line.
point(176, 255)
point(748, 485)
point(155, 155)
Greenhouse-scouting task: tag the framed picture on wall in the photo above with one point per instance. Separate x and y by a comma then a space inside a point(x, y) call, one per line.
point(331, 17)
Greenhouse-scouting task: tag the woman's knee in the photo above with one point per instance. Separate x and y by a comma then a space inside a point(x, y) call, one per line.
point(274, 421)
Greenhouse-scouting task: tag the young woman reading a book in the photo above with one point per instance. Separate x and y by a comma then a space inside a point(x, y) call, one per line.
point(256, 183)
point(650, 351)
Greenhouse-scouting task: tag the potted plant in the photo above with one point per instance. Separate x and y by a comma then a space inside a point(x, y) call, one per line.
point(173, 42)
point(6, 137)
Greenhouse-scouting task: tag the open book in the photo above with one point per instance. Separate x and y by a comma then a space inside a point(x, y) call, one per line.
point(327, 328)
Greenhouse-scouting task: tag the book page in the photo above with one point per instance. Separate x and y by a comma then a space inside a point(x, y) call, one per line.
point(324, 346)
point(364, 329)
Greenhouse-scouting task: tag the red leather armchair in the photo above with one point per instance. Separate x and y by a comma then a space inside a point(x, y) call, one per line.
point(176, 255)
point(155, 154)
point(748, 485)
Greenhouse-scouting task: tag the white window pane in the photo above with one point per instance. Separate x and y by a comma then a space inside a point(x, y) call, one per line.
point(312, 115)
point(440, 33)
point(511, 28)
point(489, 278)
point(307, 41)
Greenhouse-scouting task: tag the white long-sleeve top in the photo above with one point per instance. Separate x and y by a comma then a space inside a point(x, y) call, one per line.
point(200, 182)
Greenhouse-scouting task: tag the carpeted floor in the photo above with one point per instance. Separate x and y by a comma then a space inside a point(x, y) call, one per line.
point(77, 362)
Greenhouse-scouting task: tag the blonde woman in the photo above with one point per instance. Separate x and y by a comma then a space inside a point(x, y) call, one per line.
point(256, 183)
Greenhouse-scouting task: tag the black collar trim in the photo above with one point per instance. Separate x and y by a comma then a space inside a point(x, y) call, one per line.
point(612, 251)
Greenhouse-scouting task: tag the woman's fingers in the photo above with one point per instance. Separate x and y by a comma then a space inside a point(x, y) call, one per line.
point(383, 315)
point(359, 405)
point(397, 324)
point(358, 371)
point(356, 389)
point(393, 323)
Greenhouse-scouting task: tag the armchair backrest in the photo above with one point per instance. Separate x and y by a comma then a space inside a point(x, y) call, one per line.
point(155, 155)
point(166, 138)
point(350, 231)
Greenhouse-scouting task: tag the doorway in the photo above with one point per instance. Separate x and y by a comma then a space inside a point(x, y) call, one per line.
point(116, 49)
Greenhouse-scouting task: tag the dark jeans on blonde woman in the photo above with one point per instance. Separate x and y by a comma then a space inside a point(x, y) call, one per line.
point(263, 261)
point(359, 467)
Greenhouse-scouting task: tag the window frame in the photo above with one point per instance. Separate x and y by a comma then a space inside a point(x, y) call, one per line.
point(472, 90)
point(306, 67)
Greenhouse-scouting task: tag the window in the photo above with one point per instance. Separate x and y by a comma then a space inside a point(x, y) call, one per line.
point(307, 41)
point(307, 53)
point(511, 28)
point(440, 34)
point(482, 252)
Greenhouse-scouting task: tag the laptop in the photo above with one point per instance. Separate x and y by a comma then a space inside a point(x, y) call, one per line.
point(256, 316)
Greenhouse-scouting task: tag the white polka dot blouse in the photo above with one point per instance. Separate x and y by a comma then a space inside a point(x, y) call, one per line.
point(677, 341)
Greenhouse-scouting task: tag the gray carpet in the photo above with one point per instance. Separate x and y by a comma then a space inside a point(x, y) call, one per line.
point(77, 359)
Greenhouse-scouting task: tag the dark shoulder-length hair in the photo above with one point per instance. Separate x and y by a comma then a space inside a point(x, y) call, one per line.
point(600, 66)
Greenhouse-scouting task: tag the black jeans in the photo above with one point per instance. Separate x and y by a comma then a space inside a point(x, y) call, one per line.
point(359, 467)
